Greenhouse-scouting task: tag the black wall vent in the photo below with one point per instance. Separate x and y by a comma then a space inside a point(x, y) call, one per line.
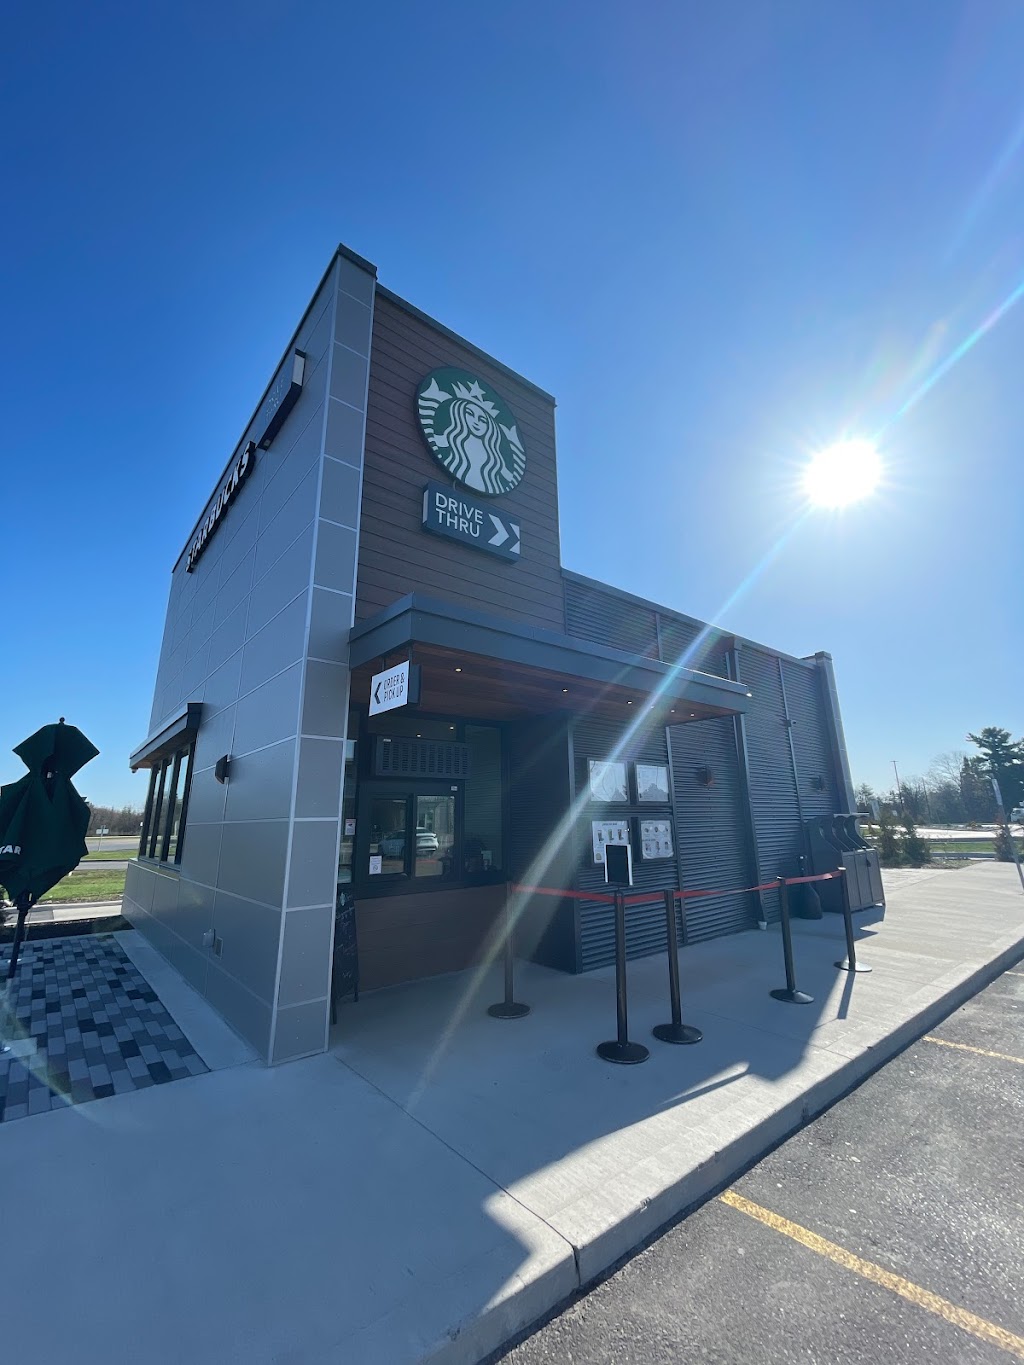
point(420, 758)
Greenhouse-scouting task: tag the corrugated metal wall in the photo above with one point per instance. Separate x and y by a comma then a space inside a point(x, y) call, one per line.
point(610, 619)
point(773, 791)
point(538, 768)
point(814, 759)
point(692, 645)
point(599, 738)
point(711, 828)
point(605, 619)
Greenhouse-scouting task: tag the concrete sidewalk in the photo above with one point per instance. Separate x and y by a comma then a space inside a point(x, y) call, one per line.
point(443, 1179)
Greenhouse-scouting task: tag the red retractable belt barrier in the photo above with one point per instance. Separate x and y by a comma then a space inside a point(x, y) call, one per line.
point(639, 897)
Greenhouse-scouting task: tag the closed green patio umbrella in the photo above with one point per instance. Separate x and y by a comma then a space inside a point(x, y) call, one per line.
point(43, 819)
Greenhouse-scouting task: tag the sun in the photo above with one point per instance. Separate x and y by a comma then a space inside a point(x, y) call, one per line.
point(844, 473)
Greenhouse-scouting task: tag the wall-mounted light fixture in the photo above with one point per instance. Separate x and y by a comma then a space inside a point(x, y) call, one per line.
point(222, 767)
point(705, 776)
point(818, 783)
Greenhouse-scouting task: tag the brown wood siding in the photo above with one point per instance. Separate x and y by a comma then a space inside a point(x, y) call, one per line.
point(403, 938)
point(396, 556)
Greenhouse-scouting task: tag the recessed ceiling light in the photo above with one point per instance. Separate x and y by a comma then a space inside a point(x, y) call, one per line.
point(458, 670)
point(419, 736)
point(693, 715)
point(565, 689)
point(671, 710)
point(629, 702)
point(451, 727)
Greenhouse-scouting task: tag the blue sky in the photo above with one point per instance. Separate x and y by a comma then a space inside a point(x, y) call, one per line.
point(721, 235)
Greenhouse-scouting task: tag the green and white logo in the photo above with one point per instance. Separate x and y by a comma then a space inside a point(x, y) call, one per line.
point(470, 431)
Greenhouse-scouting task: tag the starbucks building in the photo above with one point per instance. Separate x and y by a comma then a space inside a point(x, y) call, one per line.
point(379, 687)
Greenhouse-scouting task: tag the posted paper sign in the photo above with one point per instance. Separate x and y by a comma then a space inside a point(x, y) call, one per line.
point(376, 864)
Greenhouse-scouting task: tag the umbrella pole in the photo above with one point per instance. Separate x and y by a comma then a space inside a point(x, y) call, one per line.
point(21, 903)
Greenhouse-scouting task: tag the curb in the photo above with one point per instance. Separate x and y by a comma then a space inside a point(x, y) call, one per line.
point(600, 1258)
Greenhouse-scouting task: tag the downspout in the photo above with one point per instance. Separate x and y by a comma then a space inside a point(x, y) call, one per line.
point(789, 723)
point(834, 723)
point(739, 727)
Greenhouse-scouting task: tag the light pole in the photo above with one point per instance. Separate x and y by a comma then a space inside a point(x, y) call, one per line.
point(899, 789)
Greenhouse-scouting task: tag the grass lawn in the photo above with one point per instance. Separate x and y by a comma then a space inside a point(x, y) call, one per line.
point(107, 855)
point(91, 885)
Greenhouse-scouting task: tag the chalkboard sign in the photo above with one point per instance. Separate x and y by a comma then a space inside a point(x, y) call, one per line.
point(345, 973)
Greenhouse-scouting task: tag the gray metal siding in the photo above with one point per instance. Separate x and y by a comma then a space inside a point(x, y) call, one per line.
point(773, 792)
point(539, 797)
point(600, 738)
point(711, 838)
point(615, 620)
point(605, 619)
point(814, 761)
point(693, 645)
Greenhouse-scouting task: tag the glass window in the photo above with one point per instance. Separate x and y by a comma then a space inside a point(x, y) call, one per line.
point(158, 810)
point(177, 809)
point(435, 836)
point(163, 831)
point(387, 835)
point(482, 845)
point(346, 851)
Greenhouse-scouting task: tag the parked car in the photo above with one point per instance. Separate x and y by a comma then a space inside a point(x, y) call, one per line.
point(393, 845)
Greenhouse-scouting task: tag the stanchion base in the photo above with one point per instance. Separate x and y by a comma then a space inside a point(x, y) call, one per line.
point(844, 966)
point(677, 1033)
point(792, 997)
point(508, 1009)
point(628, 1054)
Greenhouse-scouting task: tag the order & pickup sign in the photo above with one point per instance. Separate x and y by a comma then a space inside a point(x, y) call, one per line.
point(397, 686)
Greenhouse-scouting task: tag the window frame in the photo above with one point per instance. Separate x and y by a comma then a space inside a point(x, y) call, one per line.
point(161, 801)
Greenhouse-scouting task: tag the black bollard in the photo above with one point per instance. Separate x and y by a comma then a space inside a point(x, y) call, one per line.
point(508, 1008)
point(849, 962)
point(677, 1031)
point(621, 1050)
point(790, 995)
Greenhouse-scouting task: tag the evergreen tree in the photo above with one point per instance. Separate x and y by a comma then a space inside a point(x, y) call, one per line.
point(1003, 759)
point(915, 850)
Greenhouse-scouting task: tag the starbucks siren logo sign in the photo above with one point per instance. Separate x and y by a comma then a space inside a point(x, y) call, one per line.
point(471, 431)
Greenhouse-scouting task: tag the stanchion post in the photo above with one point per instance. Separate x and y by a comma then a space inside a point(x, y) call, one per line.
point(508, 1008)
point(621, 1050)
point(677, 1031)
point(849, 962)
point(791, 996)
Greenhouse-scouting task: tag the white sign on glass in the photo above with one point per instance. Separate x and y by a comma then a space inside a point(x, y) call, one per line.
point(376, 864)
point(608, 781)
point(656, 839)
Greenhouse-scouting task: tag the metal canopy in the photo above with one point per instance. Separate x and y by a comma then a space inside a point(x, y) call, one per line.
point(181, 725)
point(516, 669)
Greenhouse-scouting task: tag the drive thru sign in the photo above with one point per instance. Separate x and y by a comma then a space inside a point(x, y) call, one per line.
point(395, 687)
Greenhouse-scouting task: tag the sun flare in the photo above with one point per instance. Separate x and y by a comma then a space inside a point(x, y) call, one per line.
point(842, 474)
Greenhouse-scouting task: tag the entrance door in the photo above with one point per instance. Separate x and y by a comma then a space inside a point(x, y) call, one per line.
point(411, 833)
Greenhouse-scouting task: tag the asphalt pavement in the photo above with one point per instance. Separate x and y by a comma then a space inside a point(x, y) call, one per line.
point(889, 1229)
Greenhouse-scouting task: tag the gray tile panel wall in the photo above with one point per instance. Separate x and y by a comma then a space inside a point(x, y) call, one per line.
point(274, 585)
point(301, 1017)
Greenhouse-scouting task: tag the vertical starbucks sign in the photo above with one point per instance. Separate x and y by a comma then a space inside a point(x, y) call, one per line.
point(473, 436)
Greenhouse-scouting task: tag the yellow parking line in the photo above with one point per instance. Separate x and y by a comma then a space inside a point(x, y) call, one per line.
point(966, 1047)
point(913, 1293)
